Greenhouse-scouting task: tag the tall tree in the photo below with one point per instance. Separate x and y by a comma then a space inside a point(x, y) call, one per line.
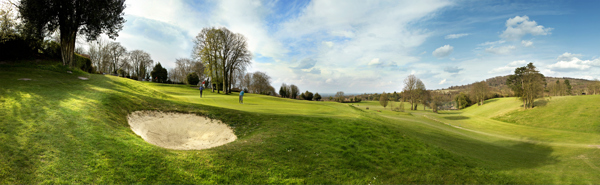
point(224, 53)
point(141, 62)
point(116, 52)
point(283, 90)
point(479, 91)
point(527, 83)
point(294, 91)
point(420, 93)
point(383, 100)
point(71, 17)
point(410, 88)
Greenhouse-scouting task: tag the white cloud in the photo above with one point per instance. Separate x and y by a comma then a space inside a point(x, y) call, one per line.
point(456, 36)
point(518, 63)
point(526, 43)
point(510, 67)
point(571, 62)
point(375, 62)
point(442, 82)
point(500, 50)
point(361, 32)
point(328, 43)
point(443, 51)
point(518, 27)
point(492, 43)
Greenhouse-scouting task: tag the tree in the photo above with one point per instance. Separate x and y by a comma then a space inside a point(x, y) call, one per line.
point(8, 23)
point(339, 96)
point(224, 53)
point(261, 84)
point(420, 93)
point(527, 83)
point(435, 101)
point(185, 66)
point(383, 99)
point(159, 74)
point(89, 18)
point(116, 53)
point(410, 86)
point(141, 63)
point(192, 79)
point(294, 91)
point(317, 97)
point(568, 87)
point(479, 91)
point(308, 95)
point(283, 90)
point(462, 100)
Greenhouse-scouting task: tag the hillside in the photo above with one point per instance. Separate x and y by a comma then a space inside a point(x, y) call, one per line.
point(57, 128)
point(580, 114)
point(499, 87)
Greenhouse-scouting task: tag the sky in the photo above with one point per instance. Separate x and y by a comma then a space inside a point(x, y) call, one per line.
point(372, 46)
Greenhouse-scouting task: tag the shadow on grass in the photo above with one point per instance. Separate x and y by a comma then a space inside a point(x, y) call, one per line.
point(491, 100)
point(456, 117)
point(497, 155)
point(540, 103)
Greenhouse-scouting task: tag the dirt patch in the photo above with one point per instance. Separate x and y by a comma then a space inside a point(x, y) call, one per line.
point(179, 131)
point(82, 78)
point(24, 79)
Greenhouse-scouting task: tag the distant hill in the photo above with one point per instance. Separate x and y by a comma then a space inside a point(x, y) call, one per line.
point(499, 87)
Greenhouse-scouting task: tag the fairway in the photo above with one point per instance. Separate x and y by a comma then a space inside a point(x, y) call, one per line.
point(59, 129)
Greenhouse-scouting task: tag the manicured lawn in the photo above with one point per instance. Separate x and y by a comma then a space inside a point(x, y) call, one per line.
point(59, 129)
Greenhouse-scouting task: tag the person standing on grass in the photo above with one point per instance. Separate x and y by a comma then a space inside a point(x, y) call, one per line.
point(201, 89)
point(242, 97)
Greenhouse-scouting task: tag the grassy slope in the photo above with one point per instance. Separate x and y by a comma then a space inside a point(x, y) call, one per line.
point(58, 129)
point(553, 155)
point(576, 113)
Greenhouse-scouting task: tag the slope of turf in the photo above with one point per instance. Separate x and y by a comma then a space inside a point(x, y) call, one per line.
point(530, 154)
point(59, 129)
point(576, 113)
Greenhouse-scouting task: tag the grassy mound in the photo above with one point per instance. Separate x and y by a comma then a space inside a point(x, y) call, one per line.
point(575, 113)
point(59, 129)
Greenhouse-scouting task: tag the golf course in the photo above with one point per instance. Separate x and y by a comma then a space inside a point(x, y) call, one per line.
point(56, 128)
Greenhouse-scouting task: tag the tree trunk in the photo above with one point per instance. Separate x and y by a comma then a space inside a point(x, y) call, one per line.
point(67, 47)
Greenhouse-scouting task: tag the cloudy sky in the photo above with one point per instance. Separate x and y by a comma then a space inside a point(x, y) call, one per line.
point(371, 46)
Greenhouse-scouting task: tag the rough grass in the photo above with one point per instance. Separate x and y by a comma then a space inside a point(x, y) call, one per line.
point(59, 129)
point(576, 113)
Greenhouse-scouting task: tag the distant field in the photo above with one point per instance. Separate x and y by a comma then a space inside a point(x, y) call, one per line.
point(59, 129)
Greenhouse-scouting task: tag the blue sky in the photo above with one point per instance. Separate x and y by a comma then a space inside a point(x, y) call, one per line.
point(372, 46)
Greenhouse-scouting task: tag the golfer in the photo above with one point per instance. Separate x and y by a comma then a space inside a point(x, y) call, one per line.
point(201, 89)
point(242, 97)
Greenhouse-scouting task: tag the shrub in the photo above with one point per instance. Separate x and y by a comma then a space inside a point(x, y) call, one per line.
point(397, 107)
point(317, 97)
point(192, 79)
point(52, 49)
point(81, 62)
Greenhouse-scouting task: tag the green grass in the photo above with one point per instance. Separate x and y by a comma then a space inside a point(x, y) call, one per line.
point(576, 113)
point(59, 129)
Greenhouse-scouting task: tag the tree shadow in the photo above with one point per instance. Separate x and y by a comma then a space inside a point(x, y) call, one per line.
point(491, 100)
point(540, 103)
point(456, 117)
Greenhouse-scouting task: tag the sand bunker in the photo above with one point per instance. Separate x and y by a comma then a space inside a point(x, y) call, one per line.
point(180, 131)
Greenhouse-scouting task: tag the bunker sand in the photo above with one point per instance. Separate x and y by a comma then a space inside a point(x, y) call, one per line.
point(179, 131)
